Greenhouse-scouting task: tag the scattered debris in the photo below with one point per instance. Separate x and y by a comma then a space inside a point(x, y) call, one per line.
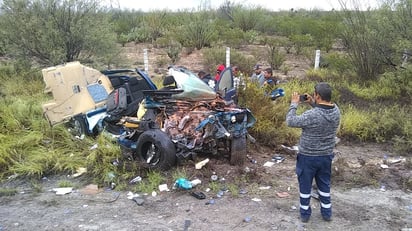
point(264, 187)
point(278, 158)
point(353, 165)
point(80, 171)
point(79, 137)
point(135, 180)
point(187, 224)
point(163, 187)
point(243, 191)
point(294, 149)
point(396, 160)
point(90, 189)
point(131, 195)
point(183, 183)
point(247, 219)
point(210, 202)
point(198, 195)
point(256, 199)
point(92, 147)
point(154, 194)
point(195, 182)
point(214, 177)
point(63, 191)
point(251, 159)
point(384, 166)
point(268, 164)
point(202, 163)
point(282, 194)
point(139, 201)
point(220, 194)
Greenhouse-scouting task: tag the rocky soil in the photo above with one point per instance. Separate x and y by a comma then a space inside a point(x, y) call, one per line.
point(269, 201)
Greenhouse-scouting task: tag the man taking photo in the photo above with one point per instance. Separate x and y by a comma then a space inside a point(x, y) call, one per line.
point(314, 160)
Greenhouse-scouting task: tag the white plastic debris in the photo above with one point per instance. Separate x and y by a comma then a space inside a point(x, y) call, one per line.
point(256, 199)
point(293, 148)
point(93, 147)
point(202, 163)
point(396, 160)
point(384, 166)
point(163, 187)
point(195, 182)
point(62, 191)
point(131, 195)
point(80, 171)
point(269, 164)
point(264, 187)
point(135, 180)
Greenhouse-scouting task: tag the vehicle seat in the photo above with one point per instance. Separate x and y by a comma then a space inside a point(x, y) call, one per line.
point(135, 88)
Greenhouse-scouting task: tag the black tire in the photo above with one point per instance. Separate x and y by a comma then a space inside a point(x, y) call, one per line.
point(238, 150)
point(156, 149)
point(77, 127)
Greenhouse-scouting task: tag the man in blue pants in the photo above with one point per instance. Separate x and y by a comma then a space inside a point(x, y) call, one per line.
point(319, 126)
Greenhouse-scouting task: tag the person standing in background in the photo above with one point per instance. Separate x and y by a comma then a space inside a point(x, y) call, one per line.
point(269, 80)
point(257, 75)
point(238, 80)
point(220, 68)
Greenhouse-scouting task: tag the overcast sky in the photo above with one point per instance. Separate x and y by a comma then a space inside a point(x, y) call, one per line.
point(148, 5)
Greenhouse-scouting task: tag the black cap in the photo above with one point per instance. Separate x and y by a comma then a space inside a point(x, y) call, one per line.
point(324, 90)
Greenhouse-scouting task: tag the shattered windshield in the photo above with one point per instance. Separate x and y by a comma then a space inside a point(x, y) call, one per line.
point(193, 87)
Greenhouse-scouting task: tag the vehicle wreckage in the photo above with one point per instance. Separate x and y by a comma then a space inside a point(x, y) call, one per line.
point(155, 127)
point(188, 120)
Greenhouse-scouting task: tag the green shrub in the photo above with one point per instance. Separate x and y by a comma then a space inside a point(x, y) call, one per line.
point(215, 56)
point(338, 62)
point(374, 124)
point(151, 183)
point(301, 41)
point(270, 127)
point(173, 51)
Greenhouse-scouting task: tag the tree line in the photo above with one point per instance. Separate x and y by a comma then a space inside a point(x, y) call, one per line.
point(51, 32)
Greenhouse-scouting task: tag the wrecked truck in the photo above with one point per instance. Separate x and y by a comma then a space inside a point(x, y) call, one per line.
point(81, 97)
point(191, 118)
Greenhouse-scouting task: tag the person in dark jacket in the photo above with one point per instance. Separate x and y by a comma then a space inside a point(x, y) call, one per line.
point(269, 80)
point(314, 160)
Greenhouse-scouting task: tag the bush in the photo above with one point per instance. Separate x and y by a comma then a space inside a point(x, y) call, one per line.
point(215, 56)
point(375, 124)
point(270, 128)
point(339, 62)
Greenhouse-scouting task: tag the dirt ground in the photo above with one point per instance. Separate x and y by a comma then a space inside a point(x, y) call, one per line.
point(270, 200)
